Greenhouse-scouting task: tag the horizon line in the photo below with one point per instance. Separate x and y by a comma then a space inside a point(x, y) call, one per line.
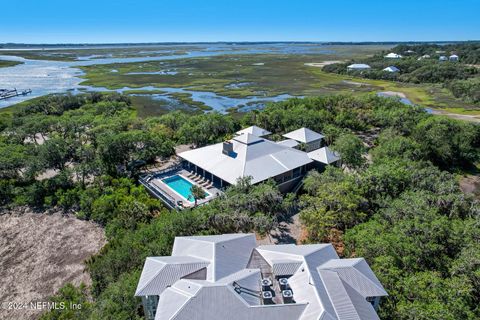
point(229, 42)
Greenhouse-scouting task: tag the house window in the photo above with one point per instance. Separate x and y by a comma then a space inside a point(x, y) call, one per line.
point(150, 306)
point(297, 172)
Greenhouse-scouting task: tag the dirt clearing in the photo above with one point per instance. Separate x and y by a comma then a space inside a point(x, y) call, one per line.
point(39, 253)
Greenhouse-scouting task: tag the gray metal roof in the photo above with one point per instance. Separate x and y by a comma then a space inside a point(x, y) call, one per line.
point(324, 155)
point(324, 286)
point(285, 267)
point(256, 131)
point(211, 303)
point(227, 254)
point(160, 272)
point(304, 135)
point(288, 143)
point(357, 274)
point(252, 156)
point(391, 69)
point(359, 66)
point(347, 303)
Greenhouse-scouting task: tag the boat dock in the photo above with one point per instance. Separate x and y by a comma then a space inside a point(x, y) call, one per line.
point(6, 93)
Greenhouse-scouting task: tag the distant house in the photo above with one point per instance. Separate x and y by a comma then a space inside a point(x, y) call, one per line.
point(358, 67)
point(453, 58)
point(391, 69)
point(443, 58)
point(409, 52)
point(425, 56)
point(231, 277)
point(392, 55)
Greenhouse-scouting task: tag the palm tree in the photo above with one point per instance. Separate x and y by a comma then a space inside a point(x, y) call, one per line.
point(198, 193)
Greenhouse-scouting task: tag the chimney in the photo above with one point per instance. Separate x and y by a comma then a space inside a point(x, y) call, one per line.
point(227, 148)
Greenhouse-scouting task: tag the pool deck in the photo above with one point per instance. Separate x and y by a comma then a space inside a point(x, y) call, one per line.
point(156, 183)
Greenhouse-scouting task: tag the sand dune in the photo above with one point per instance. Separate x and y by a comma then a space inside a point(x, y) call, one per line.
point(39, 253)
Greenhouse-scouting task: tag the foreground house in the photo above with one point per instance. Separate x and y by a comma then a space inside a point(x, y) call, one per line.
point(248, 154)
point(230, 277)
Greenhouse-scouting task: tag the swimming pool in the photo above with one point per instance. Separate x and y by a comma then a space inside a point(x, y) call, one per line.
point(181, 186)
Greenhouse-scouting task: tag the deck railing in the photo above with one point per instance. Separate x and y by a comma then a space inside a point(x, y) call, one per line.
point(167, 199)
point(166, 170)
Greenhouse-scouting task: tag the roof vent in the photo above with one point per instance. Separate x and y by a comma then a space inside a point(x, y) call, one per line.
point(267, 295)
point(227, 148)
point(266, 282)
point(287, 293)
point(283, 281)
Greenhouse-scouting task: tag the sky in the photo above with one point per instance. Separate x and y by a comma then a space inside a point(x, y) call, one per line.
point(121, 21)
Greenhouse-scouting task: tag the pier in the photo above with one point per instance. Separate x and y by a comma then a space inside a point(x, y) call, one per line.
point(6, 93)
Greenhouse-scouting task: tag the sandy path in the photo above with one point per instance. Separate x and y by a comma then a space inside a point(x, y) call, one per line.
point(39, 253)
point(323, 63)
point(466, 117)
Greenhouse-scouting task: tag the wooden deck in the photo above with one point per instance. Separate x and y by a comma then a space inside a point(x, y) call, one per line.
point(6, 94)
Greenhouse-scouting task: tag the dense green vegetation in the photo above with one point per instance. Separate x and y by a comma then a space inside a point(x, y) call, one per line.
point(400, 207)
point(461, 77)
point(468, 90)
point(5, 63)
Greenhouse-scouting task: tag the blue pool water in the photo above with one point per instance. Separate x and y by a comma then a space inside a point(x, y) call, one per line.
point(181, 186)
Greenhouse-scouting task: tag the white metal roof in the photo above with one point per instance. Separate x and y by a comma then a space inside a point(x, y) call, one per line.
point(160, 272)
point(227, 254)
point(285, 267)
point(391, 69)
point(393, 55)
point(359, 66)
point(304, 135)
point(324, 286)
point(288, 143)
point(252, 156)
point(256, 131)
point(347, 303)
point(324, 155)
point(357, 274)
point(220, 303)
